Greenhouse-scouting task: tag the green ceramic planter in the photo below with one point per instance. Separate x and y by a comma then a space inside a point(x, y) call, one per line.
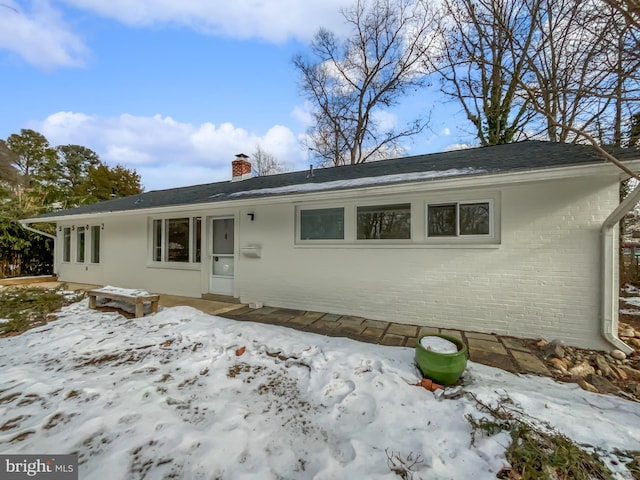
point(443, 368)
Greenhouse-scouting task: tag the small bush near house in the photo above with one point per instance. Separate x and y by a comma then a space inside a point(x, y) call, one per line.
point(25, 308)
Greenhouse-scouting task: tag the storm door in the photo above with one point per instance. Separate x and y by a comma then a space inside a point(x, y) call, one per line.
point(222, 256)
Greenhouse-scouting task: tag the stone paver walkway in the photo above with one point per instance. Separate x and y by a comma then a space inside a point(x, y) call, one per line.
point(508, 353)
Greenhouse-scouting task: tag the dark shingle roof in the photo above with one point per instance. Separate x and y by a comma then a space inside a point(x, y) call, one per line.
point(514, 157)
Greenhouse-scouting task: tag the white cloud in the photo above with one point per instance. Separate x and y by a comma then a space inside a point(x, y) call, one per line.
point(304, 114)
point(274, 21)
point(457, 146)
point(384, 120)
point(445, 132)
point(42, 38)
point(39, 36)
point(165, 152)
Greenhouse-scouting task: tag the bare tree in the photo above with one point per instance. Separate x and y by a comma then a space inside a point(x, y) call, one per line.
point(634, 131)
point(630, 9)
point(350, 81)
point(480, 68)
point(582, 71)
point(565, 69)
point(265, 163)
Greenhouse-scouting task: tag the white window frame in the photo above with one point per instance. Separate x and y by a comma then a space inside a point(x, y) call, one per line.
point(458, 236)
point(164, 234)
point(81, 247)
point(66, 244)
point(301, 240)
point(92, 250)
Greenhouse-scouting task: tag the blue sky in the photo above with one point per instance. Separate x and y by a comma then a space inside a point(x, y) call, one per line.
point(176, 89)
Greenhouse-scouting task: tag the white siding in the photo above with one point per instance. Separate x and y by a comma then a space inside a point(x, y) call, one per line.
point(542, 280)
point(125, 261)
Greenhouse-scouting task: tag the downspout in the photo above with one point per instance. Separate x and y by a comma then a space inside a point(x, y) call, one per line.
point(24, 225)
point(609, 296)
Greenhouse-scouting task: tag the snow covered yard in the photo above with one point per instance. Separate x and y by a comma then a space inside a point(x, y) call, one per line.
point(182, 394)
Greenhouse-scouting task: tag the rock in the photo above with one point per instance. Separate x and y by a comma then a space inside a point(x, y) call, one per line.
point(634, 342)
point(604, 367)
point(559, 363)
point(618, 354)
point(553, 349)
point(582, 369)
point(587, 386)
point(632, 373)
point(601, 384)
point(627, 332)
point(620, 373)
point(541, 343)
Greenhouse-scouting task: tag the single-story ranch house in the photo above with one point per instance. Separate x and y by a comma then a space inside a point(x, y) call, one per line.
point(517, 239)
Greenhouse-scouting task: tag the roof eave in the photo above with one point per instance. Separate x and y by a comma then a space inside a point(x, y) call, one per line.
point(468, 181)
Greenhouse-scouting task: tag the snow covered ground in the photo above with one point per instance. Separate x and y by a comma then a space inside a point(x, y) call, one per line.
point(173, 395)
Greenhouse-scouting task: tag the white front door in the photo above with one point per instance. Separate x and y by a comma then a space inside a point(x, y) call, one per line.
point(222, 257)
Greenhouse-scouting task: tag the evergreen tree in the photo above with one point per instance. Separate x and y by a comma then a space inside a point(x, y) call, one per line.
point(32, 153)
point(35, 178)
point(104, 183)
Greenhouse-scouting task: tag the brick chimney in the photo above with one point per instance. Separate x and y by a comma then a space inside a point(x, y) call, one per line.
point(241, 168)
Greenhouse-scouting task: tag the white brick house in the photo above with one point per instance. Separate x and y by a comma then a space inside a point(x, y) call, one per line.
point(515, 239)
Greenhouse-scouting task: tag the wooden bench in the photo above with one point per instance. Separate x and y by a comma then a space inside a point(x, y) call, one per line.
point(136, 297)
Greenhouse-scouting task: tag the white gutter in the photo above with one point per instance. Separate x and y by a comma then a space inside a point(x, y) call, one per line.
point(24, 225)
point(609, 300)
